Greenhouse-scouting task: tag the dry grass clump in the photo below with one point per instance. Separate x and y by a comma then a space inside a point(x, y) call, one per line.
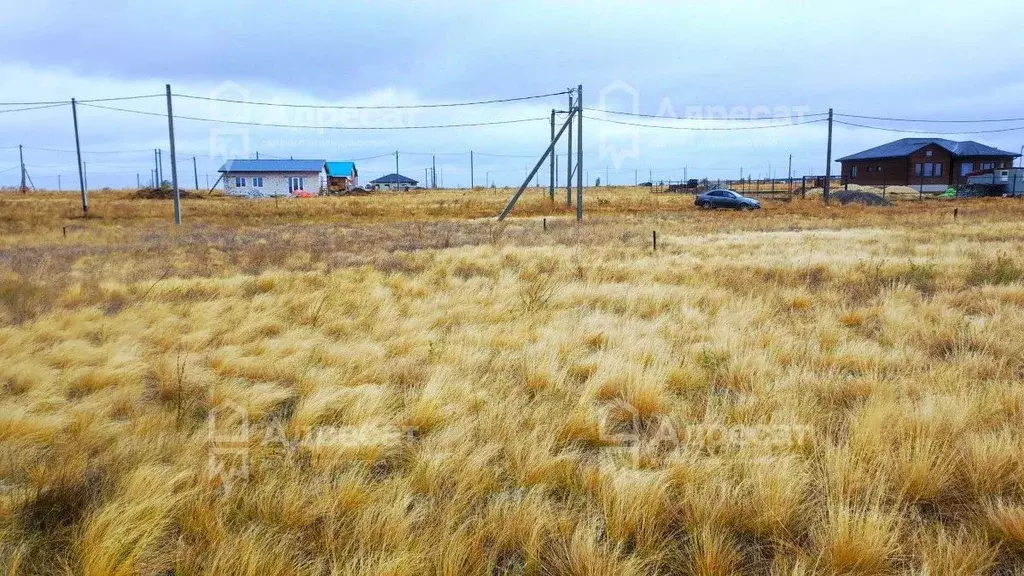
point(358, 385)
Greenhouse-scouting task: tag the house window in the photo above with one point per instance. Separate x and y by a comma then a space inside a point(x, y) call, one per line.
point(966, 168)
point(917, 169)
point(853, 172)
point(987, 165)
point(297, 184)
point(239, 182)
point(870, 168)
point(928, 153)
point(257, 182)
point(938, 169)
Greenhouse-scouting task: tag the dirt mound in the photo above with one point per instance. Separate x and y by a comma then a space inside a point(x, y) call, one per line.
point(161, 193)
point(889, 190)
point(865, 198)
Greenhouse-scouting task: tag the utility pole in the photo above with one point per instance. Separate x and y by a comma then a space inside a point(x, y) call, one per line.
point(579, 153)
point(472, 185)
point(58, 183)
point(21, 162)
point(138, 181)
point(207, 180)
point(433, 171)
point(85, 174)
point(568, 164)
point(195, 172)
point(487, 179)
point(156, 173)
point(174, 164)
point(160, 165)
point(396, 161)
point(78, 152)
point(789, 178)
point(828, 158)
point(552, 160)
point(426, 179)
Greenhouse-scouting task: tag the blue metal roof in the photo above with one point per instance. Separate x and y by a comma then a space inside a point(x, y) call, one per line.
point(395, 179)
point(907, 146)
point(347, 169)
point(272, 165)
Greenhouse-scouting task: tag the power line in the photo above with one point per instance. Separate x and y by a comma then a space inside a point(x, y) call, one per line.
point(699, 129)
point(904, 131)
point(791, 117)
point(40, 107)
point(394, 107)
point(883, 118)
point(48, 103)
point(87, 152)
point(306, 126)
point(9, 169)
point(385, 155)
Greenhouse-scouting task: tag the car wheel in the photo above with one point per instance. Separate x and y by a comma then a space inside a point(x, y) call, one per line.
point(746, 207)
point(705, 205)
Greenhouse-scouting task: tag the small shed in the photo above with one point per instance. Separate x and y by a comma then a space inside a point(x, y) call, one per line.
point(394, 181)
point(341, 177)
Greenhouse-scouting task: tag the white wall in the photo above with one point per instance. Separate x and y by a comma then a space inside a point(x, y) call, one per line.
point(274, 183)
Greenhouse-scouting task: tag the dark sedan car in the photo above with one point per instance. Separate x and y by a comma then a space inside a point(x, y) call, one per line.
point(726, 199)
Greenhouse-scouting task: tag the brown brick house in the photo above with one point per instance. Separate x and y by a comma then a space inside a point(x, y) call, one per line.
point(931, 163)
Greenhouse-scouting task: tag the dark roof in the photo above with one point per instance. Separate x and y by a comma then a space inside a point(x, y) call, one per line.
point(272, 165)
point(394, 179)
point(346, 169)
point(907, 146)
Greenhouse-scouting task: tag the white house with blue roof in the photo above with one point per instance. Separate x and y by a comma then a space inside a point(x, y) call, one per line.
point(267, 178)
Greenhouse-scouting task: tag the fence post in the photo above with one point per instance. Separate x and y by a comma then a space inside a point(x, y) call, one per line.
point(654, 236)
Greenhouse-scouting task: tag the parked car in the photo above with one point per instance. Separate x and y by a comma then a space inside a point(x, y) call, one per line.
point(726, 199)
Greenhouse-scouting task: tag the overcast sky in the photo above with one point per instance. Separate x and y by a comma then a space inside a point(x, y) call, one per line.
point(936, 59)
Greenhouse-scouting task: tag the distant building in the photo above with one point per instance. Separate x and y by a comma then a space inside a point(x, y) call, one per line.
point(272, 177)
point(341, 176)
point(394, 182)
point(932, 164)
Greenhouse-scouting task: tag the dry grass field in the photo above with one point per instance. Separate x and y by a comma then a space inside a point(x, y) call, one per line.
point(400, 385)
